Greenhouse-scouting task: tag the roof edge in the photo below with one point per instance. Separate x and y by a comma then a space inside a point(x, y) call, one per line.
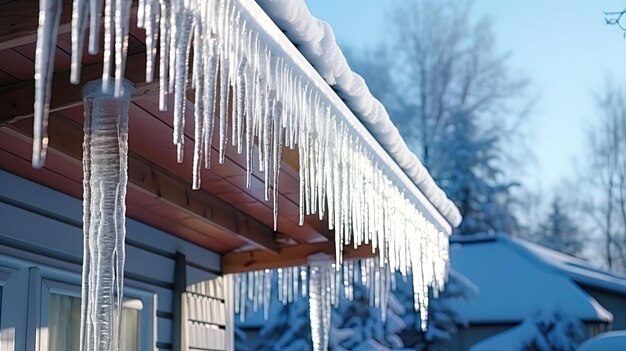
point(316, 42)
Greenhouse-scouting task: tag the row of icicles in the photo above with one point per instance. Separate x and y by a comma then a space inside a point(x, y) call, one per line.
point(263, 103)
point(322, 283)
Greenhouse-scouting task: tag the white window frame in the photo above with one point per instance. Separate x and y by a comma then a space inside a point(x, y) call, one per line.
point(12, 316)
point(44, 282)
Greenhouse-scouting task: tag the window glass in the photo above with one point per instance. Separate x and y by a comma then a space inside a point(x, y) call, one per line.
point(64, 324)
point(130, 329)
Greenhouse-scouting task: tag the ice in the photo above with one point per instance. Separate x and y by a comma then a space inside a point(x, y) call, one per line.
point(264, 100)
point(122, 27)
point(165, 37)
point(322, 283)
point(316, 41)
point(49, 18)
point(80, 10)
point(183, 18)
point(105, 150)
point(95, 14)
point(319, 305)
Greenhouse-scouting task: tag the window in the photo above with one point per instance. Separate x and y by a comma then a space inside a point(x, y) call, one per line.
point(64, 323)
point(58, 316)
point(12, 302)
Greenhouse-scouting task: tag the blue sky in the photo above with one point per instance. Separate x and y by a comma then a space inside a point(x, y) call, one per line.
point(563, 46)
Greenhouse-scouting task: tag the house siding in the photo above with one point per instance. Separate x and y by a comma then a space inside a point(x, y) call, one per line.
point(44, 227)
point(464, 339)
point(614, 303)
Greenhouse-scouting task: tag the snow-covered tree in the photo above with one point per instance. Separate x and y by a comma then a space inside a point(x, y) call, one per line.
point(546, 330)
point(559, 231)
point(451, 94)
point(443, 318)
point(241, 340)
point(356, 325)
point(288, 329)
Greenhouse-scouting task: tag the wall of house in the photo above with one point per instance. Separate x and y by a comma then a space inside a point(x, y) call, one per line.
point(614, 303)
point(466, 338)
point(41, 241)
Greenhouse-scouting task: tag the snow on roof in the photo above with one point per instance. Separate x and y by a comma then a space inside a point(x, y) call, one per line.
point(610, 341)
point(577, 269)
point(316, 41)
point(515, 282)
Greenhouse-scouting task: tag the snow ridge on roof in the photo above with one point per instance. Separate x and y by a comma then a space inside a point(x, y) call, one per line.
point(316, 41)
point(520, 275)
point(579, 270)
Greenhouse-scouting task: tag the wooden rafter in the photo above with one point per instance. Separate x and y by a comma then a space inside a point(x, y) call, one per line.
point(289, 256)
point(16, 100)
point(18, 22)
point(66, 137)
point(18, 26)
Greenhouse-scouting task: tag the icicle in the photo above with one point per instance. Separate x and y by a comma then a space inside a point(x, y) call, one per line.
point(277, 115)
point(122, 16)
point(267, 293)
point(95, 14)
point(183, 30)
point(164, 53)
point(199, 77)
point(105, 175)
point(109, 42)
point(319, 303)
point(224, 68)
point(49, 19)
point(80, 10)
point(150, 22)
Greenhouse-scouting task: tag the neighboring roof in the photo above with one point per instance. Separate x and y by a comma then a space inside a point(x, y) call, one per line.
point(316, 41)
point(611, 341)
point(516, 279)
point(579, 270)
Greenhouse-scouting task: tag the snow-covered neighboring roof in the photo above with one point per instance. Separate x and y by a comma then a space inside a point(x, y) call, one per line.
point(577, 269)
point(517, 278)
point(316, 41)
point(610, 341)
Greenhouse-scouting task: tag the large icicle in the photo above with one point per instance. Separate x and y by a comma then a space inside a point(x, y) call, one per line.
point(321, 275)
point(105, 159)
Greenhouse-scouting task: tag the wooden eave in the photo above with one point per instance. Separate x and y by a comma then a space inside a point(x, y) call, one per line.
point(223, 216)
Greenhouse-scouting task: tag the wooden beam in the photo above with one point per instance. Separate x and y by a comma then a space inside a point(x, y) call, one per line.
point(66, 136)
point(16, 100)
point(18, 22)
point(237, 262)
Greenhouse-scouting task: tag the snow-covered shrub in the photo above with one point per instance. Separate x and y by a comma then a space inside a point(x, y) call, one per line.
point(443, 319)
point(358, 326)
point(546, 330)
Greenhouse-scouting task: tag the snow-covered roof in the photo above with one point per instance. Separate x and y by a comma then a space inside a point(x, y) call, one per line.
point(316, 41)
point(577, 269)
point(610, 341)
point(517, 278)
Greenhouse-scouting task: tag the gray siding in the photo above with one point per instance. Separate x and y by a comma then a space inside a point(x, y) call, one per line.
point(614, 303)
point(466, 338)
point(44, 227)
